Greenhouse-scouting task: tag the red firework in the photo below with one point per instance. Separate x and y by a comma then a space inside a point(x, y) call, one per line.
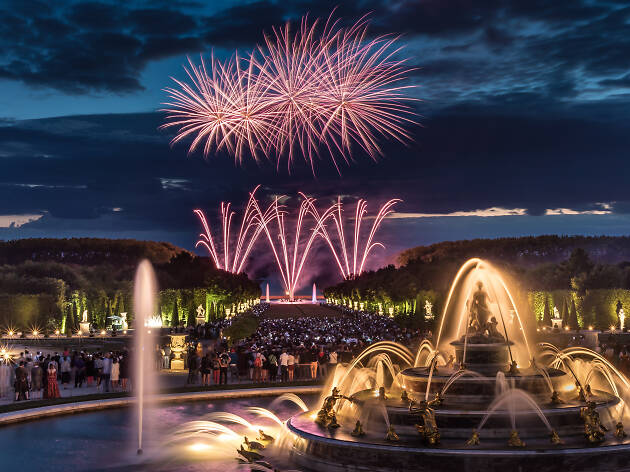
point(319, 88)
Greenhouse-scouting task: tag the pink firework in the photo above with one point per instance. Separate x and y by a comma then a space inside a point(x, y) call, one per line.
point(233, 259)
point(351, 263)
point(319, 89)
point(225, 109)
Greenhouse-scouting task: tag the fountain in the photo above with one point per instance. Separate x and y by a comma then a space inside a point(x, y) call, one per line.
point(314, 298)
point(144, 294)
point(483, 397)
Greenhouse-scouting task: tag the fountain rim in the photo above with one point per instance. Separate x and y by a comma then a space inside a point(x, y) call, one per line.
point(87, 406)
point(512, 452)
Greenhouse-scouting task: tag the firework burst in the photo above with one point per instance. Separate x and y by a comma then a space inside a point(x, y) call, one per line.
point(322, 88)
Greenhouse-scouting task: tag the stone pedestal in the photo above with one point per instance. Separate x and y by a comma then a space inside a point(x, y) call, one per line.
point(178, 345)
point(84, 327)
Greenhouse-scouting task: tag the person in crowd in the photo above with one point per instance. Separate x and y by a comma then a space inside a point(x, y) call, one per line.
point(79, 371)
point(206, 369)
point(65, 368)
point(107, 372)
point(216, 368)
point(52, 387)
point(21, 382)
point(124, 370)
point(291, 366)
point(224, 362)
point(284, 369)
point(36, 380)
point(273, 366)
point(115, 375)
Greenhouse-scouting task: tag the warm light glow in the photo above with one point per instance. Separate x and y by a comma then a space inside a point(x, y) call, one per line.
point(102, 332)
point(566, 328)
point(35, 332)
point(569, 387)
point(199, 447)
point(590, 328)
point(612, 328)
point(57, 332)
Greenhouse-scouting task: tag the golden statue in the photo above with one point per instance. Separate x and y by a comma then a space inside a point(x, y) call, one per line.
point(474, 439)
point(381, 393)
point(479, 312)
point(450, 362)
point(554, 438)
point(391, 434)
point(265, 437)
point(249, 456)
point(253, 445)
point(555, 399)
point(428, 429)
point(514, 368)
point(514, 440)
point(326, 416)
point(437, 400)
point(404, 396)
point(593, 428)
point(357, 432)
point(619, 432)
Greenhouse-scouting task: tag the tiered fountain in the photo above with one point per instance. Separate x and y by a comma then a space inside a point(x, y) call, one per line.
point(482, 398)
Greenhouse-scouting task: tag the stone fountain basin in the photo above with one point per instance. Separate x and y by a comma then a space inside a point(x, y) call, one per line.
point(318, 449)
point(457, 420)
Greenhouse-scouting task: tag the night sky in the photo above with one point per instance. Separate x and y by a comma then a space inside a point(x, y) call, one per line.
point(525, 119)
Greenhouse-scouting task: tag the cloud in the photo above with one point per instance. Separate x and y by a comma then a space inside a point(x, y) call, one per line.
point(485, 213)
point(15, 221)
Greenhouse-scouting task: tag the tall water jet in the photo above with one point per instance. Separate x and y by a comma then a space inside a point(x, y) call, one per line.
point(314, 299)
point(267, 295)
point(144, 295)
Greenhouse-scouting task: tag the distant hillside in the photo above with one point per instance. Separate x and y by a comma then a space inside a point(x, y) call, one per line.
point(87, 251)
point(523, 251)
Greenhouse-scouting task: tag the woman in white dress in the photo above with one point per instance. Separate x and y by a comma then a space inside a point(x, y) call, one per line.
point(115, 375)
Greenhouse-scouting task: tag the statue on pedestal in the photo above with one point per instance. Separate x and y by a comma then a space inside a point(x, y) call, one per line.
point(326, 416)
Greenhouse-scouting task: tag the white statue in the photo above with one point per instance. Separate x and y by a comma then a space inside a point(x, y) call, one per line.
point(123, 320)
point(556, 313)
point(84, 319)
point(201, 312)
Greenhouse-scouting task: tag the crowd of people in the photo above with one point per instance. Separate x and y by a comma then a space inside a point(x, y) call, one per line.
point(294, 348)
point(36, 376)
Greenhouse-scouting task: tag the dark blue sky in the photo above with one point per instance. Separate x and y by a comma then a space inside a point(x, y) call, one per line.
point(524, 112)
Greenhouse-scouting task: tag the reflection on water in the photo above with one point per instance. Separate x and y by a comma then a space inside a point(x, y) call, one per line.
point(104, 440)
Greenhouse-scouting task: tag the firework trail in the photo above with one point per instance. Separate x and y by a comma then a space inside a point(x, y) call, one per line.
point(249, 231)
point(290, 252)
point(322, 87)
point(352, 266)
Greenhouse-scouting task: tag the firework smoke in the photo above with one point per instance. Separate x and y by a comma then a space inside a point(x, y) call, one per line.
point(323, 88)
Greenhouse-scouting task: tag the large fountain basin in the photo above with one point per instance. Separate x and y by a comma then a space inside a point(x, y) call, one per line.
point(318, 449)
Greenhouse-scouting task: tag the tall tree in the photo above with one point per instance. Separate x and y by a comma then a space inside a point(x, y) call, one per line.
point(573, 320)
point(175, 316)
point(546, 321)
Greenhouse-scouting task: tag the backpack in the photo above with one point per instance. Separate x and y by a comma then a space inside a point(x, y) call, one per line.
point(258, 362)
